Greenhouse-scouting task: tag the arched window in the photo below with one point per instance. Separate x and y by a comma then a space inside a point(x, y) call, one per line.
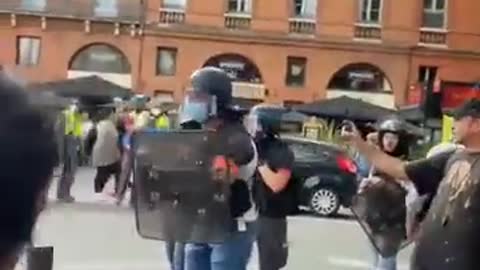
point(360, 77)
point(100, 58)
point(238, 67)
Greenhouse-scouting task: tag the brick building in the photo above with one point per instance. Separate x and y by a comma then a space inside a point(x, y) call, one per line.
point(276, 50)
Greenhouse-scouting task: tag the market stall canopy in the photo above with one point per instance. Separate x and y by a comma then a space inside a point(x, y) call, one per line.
point(92, 89)
point(294, 116)
point(411, 113)
point(48, 100)
point(344, 108)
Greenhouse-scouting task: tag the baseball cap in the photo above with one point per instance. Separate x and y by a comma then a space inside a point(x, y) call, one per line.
point(470, 108)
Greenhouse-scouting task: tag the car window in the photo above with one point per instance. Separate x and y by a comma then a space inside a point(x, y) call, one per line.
point(307, 151)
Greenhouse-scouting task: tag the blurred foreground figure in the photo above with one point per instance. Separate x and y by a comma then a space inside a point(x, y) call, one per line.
point(27, 158)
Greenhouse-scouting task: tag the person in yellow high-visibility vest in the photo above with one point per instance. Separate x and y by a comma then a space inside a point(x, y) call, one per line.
point(73, 121)
point(162, 121)
point(447, 129)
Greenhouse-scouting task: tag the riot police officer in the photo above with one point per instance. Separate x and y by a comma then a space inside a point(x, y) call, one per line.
point(210, 105)
point(273, 190)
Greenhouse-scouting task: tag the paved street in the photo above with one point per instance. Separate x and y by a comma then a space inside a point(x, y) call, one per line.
point(100, 236)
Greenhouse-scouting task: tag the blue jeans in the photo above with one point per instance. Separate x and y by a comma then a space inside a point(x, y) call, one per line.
point(233, 254)
point(381, 263)
point(176, 255)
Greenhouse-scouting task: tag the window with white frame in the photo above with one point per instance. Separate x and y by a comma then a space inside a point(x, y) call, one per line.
point(370, 11)
point(174, 4)
point(239, 6)
point(434, 13)
point(305, 8)
point(28, 51)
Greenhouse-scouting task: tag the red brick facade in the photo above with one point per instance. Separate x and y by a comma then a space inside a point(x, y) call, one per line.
point(267, 43)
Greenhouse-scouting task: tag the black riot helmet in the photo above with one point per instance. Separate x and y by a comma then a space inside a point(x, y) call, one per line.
point(395, 125)
point(265, 120)
point(211, 94)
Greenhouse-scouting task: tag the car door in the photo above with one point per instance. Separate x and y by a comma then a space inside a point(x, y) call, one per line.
point(310, 158)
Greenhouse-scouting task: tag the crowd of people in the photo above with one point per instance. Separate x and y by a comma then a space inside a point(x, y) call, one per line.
point(256, 165)
point(103, 139)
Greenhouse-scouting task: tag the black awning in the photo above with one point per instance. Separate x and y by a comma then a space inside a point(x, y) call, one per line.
point(411, 113)
point(344, 108)
point(92, 89)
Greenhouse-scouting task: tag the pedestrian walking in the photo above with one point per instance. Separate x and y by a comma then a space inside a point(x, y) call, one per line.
point(106, 154)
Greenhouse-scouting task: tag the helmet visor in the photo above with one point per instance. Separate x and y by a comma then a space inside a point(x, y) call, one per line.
point(197, 107)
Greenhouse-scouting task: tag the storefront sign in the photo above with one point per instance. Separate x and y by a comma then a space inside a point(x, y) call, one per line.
point(232, 65)
point(455, 95)
point(364, 75)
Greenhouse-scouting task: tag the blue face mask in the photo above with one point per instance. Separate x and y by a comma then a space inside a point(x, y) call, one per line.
point(197, 112)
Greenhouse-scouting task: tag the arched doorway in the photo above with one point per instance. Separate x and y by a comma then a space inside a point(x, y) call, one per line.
point(364, 81)
point(248, 81)
point(103, 60)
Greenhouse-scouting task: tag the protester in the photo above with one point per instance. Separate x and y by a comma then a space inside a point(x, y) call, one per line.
point(448, 237)
point(27, 159)
point(106, 154)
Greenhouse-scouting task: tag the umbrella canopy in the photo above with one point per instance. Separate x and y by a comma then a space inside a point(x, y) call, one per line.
point(294, 116)
point(345, 108)
point(92, 89)
point(48, 100)
point(411, 113)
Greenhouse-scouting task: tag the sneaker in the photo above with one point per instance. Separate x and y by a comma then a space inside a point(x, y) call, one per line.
point(67, 199)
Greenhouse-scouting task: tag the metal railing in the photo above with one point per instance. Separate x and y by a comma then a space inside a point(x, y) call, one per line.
point(113, 10)
point(302, 25)
point(172, 16)
point(237, 21)
point(433, 36)
point(367, 31)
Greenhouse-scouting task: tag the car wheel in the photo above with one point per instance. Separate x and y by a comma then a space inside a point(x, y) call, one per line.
point(325, 202)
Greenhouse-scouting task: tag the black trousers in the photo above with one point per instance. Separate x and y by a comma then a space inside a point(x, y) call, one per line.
point(272, 243)
point(104, 173)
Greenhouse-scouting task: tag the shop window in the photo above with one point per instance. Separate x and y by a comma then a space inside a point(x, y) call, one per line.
point(359, 77)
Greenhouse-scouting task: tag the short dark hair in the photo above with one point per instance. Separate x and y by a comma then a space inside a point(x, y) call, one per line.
point(27, 158)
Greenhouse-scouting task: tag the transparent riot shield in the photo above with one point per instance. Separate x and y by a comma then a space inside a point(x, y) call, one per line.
point(381, 212)
point(177, 198)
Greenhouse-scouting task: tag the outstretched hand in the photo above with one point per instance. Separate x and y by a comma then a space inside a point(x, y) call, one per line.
point(349, 132)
